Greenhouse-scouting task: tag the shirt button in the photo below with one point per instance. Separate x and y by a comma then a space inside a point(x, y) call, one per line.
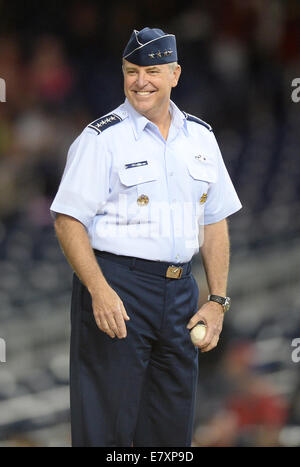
point(171, 174)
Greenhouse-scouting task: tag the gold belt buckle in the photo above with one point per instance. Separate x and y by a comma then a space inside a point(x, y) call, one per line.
point(174, 272)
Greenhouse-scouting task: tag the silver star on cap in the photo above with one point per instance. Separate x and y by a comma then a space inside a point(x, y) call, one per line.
point(158, 54)
point(151, 55)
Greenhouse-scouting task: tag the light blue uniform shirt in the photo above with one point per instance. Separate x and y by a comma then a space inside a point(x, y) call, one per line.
point(139, 195)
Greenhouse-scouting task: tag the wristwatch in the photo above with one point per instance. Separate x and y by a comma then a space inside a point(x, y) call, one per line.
point(224, 301)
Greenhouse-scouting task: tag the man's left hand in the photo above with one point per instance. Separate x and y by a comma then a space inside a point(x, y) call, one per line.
point(212, 314)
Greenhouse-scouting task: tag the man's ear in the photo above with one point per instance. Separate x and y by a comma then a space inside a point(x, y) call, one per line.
point(177, 73)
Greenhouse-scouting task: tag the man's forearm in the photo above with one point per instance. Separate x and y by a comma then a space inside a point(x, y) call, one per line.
point(215, 254)
point(76, 246)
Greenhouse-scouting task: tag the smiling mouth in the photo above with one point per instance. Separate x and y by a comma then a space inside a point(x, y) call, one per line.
point(143, 93)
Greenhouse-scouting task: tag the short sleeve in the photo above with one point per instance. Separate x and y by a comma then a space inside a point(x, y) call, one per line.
point(84, 187)
point(222, 199)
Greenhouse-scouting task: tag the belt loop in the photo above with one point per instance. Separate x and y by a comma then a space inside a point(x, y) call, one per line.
point(132, 266)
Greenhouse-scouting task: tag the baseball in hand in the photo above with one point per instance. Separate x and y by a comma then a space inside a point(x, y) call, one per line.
point(198, 332)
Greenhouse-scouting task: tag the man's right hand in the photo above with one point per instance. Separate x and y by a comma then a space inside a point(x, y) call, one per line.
point(108, 308)
point(109, 312)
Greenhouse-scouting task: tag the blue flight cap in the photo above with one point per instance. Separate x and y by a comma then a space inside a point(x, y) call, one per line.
point(150, 47)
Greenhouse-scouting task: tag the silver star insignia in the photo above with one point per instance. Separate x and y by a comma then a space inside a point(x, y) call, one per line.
point(159, 54)
point(151, 55)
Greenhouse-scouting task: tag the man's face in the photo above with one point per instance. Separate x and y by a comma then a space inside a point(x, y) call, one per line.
point(148, 88)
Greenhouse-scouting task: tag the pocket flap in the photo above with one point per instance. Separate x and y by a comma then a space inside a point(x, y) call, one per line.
point(202, 171)
point(136, 175)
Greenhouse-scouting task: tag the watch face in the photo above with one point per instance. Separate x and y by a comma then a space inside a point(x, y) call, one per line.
point(227, 304)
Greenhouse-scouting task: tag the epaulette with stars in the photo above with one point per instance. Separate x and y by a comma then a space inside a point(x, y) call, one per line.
point(192, 118)
point(104, 122)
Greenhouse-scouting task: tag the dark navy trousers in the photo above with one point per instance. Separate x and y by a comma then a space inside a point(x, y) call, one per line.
point(139, 390)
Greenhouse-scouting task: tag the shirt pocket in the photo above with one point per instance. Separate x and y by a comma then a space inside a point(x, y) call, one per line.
point(202, 175)
point(141, 180)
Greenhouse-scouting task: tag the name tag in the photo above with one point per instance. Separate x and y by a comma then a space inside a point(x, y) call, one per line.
point(135, 164)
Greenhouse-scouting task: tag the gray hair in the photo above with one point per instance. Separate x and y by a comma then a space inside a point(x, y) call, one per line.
point(173, 66)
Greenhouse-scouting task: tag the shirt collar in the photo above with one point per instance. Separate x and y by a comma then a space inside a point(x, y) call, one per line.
point(139, 122)
point(178, 118)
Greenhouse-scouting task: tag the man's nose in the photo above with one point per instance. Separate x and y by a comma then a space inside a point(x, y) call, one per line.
point(141, 80)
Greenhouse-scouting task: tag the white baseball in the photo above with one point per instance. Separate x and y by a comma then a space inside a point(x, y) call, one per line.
point(198, 333)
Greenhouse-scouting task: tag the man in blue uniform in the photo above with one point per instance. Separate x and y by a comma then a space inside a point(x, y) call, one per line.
point(143, 189)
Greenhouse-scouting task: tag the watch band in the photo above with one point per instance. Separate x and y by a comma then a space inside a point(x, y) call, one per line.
point(217, 298)
point(223, 301)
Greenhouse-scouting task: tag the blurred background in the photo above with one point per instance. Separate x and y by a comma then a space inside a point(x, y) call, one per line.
point(62, 65)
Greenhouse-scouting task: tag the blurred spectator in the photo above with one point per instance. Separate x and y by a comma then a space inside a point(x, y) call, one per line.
point(50, 77)
point(252, 414)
